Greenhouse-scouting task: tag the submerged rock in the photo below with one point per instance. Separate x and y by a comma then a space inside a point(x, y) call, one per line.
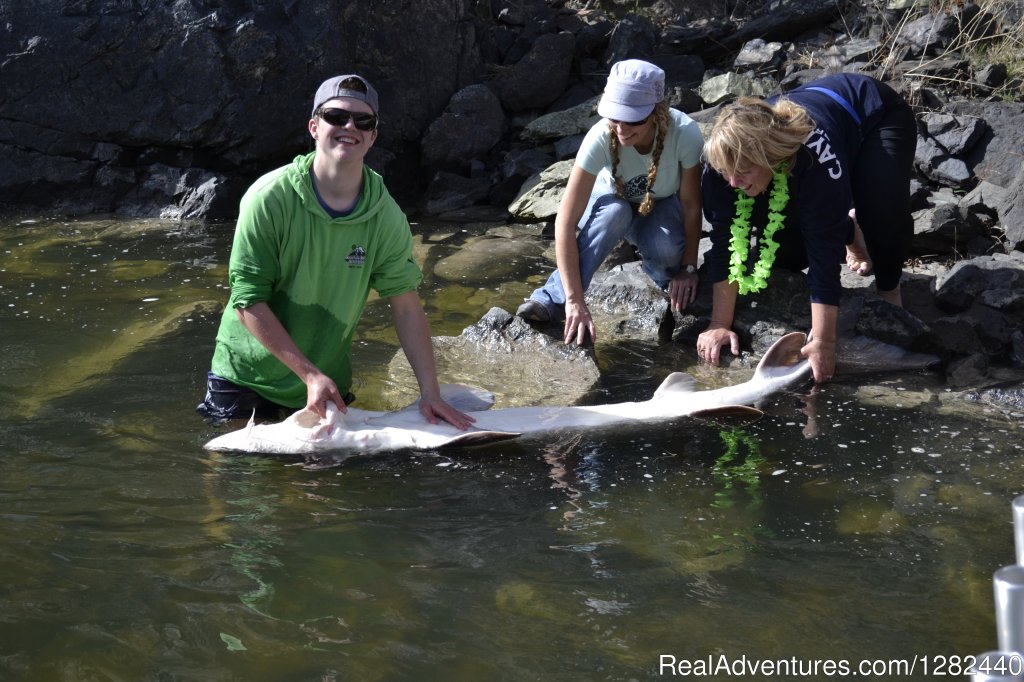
point(523, 599)
point(894, 397)
point(862, 354)
point(868, 517)
point(504, 354)
point(626, 301)
point(487, 259)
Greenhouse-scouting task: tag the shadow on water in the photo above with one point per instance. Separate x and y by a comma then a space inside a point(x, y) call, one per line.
point(837, 526)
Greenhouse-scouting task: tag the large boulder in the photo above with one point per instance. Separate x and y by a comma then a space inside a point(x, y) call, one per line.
point(540, 77)
point(504, 354)
point(97, 96)
point(1011, 212)
point(469, 128)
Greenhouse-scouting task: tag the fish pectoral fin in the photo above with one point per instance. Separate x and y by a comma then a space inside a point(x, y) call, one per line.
point(479, 438)
point(462, 397)
point(467, 398)
point(729, 411)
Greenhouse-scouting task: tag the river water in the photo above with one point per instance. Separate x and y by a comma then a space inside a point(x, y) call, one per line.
point(867, 531)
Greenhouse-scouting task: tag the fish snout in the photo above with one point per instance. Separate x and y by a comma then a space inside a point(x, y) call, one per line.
point(322, 432)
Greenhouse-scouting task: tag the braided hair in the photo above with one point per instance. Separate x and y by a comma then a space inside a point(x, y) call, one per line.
point(661, 121)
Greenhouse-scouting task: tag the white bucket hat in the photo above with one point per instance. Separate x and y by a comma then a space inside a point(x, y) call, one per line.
point(633, 88)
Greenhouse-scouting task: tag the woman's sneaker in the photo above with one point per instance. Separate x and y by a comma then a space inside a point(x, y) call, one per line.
point(533, 310)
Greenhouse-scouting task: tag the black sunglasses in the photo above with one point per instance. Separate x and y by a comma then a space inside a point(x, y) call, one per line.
point(341, 117)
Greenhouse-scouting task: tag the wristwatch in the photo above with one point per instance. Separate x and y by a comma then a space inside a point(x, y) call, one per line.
point(690, 269)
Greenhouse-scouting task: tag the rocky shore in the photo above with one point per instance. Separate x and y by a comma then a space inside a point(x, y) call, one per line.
point(144, 108)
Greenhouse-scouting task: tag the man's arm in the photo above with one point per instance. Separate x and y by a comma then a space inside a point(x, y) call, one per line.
point(263, 324)
point(414, 335)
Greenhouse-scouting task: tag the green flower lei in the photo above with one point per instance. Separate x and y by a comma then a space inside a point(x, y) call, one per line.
point(740, 244)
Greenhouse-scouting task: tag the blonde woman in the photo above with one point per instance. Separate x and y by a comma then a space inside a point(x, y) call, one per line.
point(817, 177)
point(636, 177)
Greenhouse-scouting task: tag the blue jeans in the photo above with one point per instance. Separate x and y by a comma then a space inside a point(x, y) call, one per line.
point(659, 236)
point(226, 400)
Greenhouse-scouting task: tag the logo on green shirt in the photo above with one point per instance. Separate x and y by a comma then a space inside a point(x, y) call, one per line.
point(356, 258)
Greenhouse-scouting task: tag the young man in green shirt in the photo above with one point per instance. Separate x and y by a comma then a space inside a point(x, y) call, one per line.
point(312, 239)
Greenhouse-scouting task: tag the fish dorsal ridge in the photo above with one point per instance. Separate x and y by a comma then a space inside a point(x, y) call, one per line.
point(676, 383)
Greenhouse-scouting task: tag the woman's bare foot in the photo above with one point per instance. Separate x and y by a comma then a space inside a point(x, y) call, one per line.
point(857, 258)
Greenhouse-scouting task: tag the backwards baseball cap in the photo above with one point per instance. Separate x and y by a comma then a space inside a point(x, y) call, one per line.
point(633, 88)
point(332, 87)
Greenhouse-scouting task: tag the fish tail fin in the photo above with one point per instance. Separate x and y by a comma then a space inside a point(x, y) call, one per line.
point(783, 353)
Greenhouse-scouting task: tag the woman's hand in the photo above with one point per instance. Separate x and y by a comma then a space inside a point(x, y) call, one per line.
point(710, 343)
point(821, 344)
point(822, 356)
point(682, 289)
point(578, 324)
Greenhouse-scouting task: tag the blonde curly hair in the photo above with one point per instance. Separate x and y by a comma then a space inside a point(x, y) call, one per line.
point(661, 121)
point(753, 133)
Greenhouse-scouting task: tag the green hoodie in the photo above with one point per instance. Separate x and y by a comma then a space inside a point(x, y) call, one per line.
point(314, 272)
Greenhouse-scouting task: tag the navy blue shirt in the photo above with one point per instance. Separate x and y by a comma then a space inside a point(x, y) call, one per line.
point(819, 184)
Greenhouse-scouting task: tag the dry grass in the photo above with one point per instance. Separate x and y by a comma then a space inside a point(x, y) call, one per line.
point(994, 35)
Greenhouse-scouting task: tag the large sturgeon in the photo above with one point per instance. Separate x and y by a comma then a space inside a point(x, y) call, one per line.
point(367, 431)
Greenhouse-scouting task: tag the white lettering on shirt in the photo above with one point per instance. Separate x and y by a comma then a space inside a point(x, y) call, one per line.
point(818, 143)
